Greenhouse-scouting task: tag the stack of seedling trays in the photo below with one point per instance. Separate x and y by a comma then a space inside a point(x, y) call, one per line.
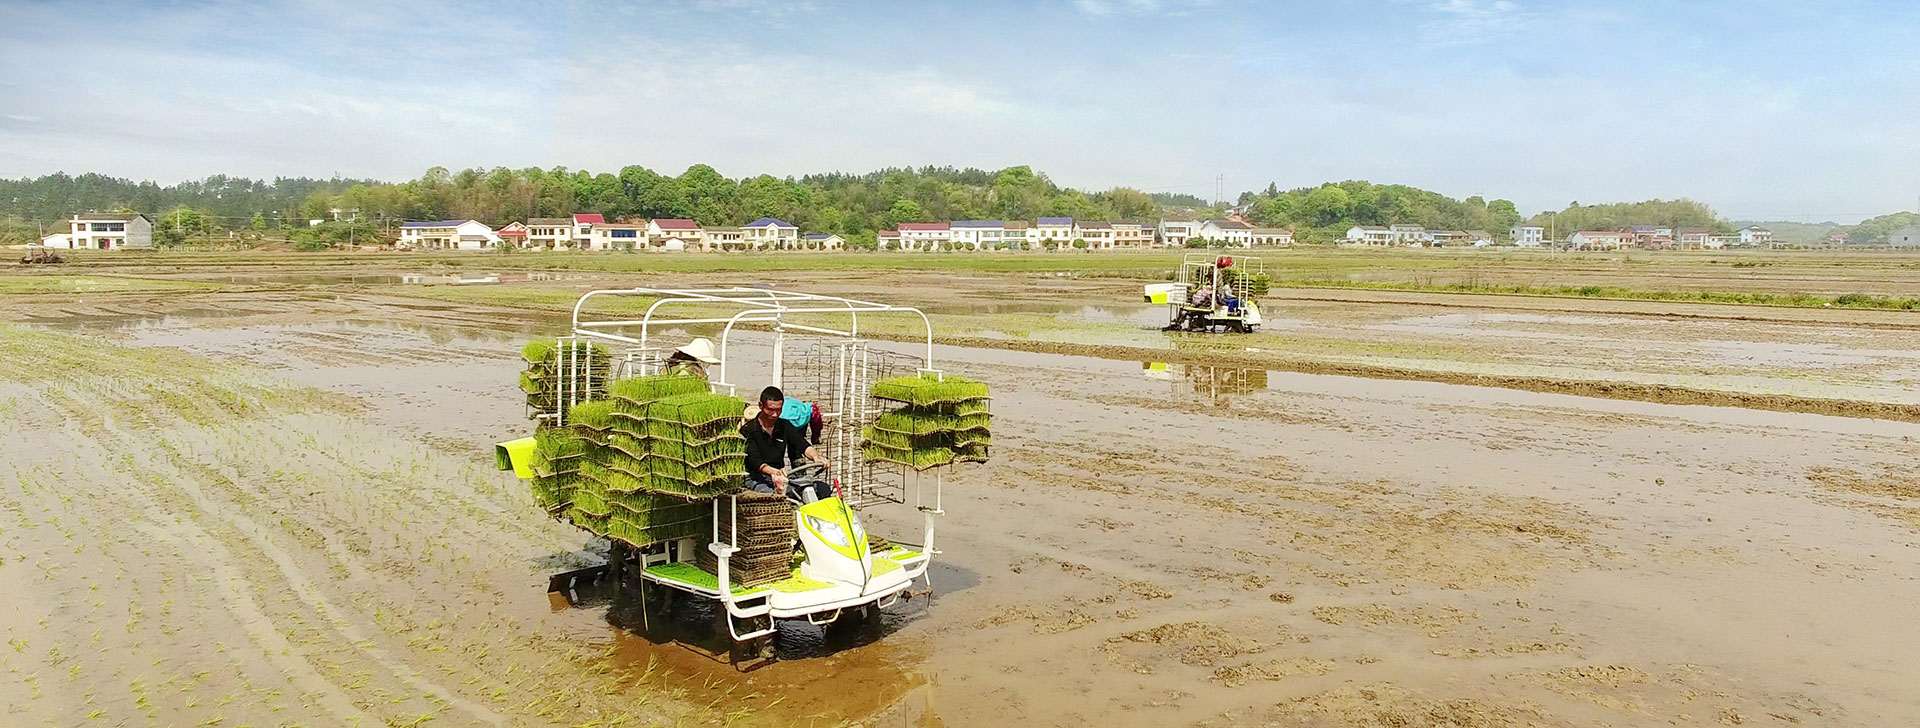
point(765, 539)
point(576, 368)
point(941, 420)
point(1248, 285)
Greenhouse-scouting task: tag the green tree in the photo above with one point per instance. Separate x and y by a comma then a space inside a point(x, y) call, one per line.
point(904, 211)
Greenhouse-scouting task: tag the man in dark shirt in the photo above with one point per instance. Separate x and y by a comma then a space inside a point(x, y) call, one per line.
point(773, 445)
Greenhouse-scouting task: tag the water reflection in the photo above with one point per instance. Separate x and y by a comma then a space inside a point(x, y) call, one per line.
point(1215, 383)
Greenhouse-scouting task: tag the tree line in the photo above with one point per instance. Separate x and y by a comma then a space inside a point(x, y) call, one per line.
point(1323, 214)
point(851, 205)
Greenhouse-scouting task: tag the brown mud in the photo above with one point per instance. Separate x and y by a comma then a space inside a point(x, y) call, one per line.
point(299, 523)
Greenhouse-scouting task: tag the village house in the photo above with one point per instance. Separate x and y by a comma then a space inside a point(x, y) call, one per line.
point(1226, 231)
point(549, 233)
point(769, 233)
point(1014, 234)
point(1132, 234)
point(514, 235)
point(583, 223)
point(1369, 235)
point(1599, 240)
point(822, 241)
point(1059, 230)
point(1174, 233)
point(1527, 236)
point(925, 235)
point(1756, 236)
point(1478, 238)
point(1410, 235)
point(1907, 237)
point(1716, 242)
point(1272, 237)
point(63, 241)
point(1693, 238)
point(686, 231)
point(1651, 236)
point(725, 238)
point(625, 237)
point(887, 240)
point(1443, 238)
point(1099, 235)
point(447, 235)
point(977, 234)
point(109, 231)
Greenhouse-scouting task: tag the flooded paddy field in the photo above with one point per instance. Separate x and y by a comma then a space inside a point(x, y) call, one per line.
point(273, 503)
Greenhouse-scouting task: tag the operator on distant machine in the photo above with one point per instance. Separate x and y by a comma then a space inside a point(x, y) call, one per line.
point(775, 444)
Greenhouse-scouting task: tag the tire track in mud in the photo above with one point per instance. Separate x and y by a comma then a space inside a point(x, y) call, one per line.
point(297, 580)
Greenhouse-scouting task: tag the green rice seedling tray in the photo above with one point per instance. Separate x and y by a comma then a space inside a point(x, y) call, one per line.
point(641, 390)
point(916, 459)
point(539, 350)
point(589, 501)
point(922, 391)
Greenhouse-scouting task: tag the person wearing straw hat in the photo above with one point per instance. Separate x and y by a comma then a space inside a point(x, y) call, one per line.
point(692, 359)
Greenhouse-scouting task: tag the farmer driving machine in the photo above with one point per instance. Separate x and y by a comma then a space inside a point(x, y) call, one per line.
point(635, 447)
point(1212, 293)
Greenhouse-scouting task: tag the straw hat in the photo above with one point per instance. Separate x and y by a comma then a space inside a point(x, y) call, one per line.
point(700, 349)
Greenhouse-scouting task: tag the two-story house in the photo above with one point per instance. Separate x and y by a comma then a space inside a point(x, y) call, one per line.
point(1058, 230)
point(1369, 235)
point(1132, 234)
point(770, 233)
point(1410, 235)
point(549, 233)
point(925, 235)
point(447, 235)
point(1098, 234)
point(661, 230)
point(109, 231)
point(1174, 233)
point(977, 234)
point(1226, 231)
point(1527, 236)
point(1599, 240)
point(583, 223)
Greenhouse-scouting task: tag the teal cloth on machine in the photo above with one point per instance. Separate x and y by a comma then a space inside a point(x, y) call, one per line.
point(797, 412)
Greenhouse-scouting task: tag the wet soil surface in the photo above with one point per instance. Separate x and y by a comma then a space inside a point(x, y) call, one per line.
point(308, 530)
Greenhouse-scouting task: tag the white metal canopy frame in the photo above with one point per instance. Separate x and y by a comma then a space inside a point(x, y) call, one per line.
point(841, 372)
point(753, 305)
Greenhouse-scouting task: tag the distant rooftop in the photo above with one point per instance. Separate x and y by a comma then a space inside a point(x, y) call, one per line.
point(1054, 221)
point(588, 217)
point(979, 224)
point(769, 222)
point(923, 226)
point(676, 223)
point(434, 223)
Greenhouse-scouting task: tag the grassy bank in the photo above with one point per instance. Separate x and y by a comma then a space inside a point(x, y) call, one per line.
point(68, 284)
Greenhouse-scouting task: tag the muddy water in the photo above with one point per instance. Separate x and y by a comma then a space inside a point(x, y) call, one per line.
point(1219, 546)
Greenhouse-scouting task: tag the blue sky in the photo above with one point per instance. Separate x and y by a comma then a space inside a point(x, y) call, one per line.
point(1770, 110)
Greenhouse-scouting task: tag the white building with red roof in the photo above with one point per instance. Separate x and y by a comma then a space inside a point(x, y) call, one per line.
point(583, 223)
point(925, 235)
point(687, 232)
point(887, 239)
